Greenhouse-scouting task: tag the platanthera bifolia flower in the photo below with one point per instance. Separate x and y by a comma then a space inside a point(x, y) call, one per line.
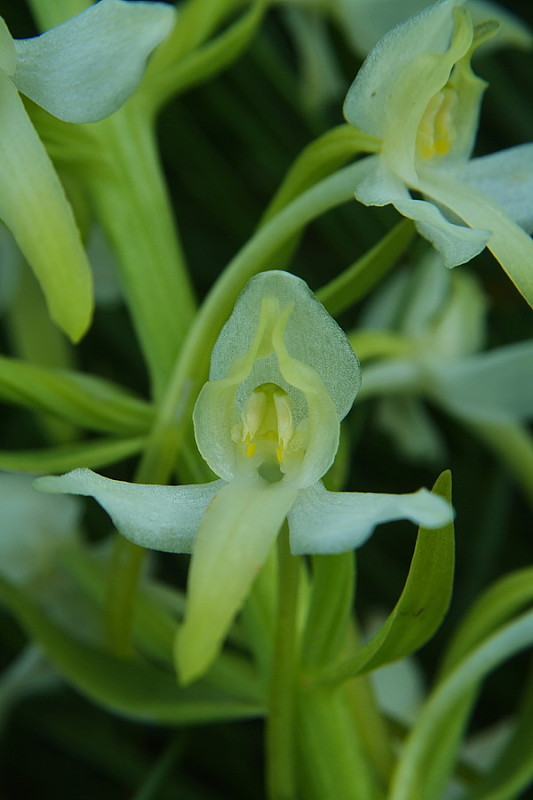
point(283, 376)
point(80, 71)
point(439, 318)
point(417, 93)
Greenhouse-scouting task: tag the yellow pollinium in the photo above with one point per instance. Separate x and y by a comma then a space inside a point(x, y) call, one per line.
point(267, 425)
point(436, 131)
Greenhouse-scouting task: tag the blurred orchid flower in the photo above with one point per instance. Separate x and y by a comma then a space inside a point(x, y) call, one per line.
point(439, 318)
point(267, 422)
point(417, 94)
point(366, 21)
point(80, 71)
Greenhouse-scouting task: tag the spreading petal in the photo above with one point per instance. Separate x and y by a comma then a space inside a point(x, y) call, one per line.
point(34, 207)
point(508, 242)
point(233, 543)
point(457, 243)
point(159, 517)
point(333, 522)
point(507, 178)
point(84, 69)
point(490, 387)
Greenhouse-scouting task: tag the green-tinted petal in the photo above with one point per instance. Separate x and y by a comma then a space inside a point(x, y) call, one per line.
point(34, 207)
point(507, 241)
point(233, 542)
point(159, 517)
point(457, 244)
point(278, 334)
point(84, 69)
point(32, 527)
point(333, 522)
point(8, 55)
point(368, 98)
point(507, 178)
point(492, 387)
point(311, 335)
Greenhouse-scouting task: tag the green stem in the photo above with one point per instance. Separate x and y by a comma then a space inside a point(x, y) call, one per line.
point(132, 204)
point(280, 725)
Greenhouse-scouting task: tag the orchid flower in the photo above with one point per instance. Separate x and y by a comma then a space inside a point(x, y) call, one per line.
point(80, 71)
point(440, 321)
point(267, 422)
point(366, 21)
point(416, 93)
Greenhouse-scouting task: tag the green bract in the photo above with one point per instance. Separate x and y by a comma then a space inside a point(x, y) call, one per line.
point(81, 71)
point(417, 94)
point(282, 377)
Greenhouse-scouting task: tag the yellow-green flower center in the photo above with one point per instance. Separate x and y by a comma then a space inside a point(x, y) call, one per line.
point(267, 432)
point(435, 135)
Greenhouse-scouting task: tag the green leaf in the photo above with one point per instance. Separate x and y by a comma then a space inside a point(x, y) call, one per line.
point(86, 401)
point(422, 604)
point(419, 774)
point(318, 160)
point(495, 606)
point(513, 770)
point(207, 60)
point(354, 283)
point(133, 688)
point(330, 607)
point(92, 454)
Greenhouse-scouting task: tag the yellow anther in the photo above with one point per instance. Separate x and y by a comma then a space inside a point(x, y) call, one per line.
point(436, 132)
point(267, 426)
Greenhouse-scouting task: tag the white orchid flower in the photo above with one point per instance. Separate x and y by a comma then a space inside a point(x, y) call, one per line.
point(80, 71)
point(440, 320)
point(366, 21)
point(417, 94)
point(282, 378)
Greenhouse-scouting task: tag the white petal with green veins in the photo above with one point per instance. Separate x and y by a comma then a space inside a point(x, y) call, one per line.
point(85, 68)
point(159, 517)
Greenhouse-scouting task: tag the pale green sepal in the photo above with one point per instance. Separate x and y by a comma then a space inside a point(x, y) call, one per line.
point(457, 244)
point(496, 386)
point(266, 340)
point(159, 517)
point(333, 522)
point(507, 241)
point(327, 351)
point(85, 68)
point(32, 528)
point(428, 31)
point(34, 207)
point(507, 178)
point(232, 545)
point(8, 55)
